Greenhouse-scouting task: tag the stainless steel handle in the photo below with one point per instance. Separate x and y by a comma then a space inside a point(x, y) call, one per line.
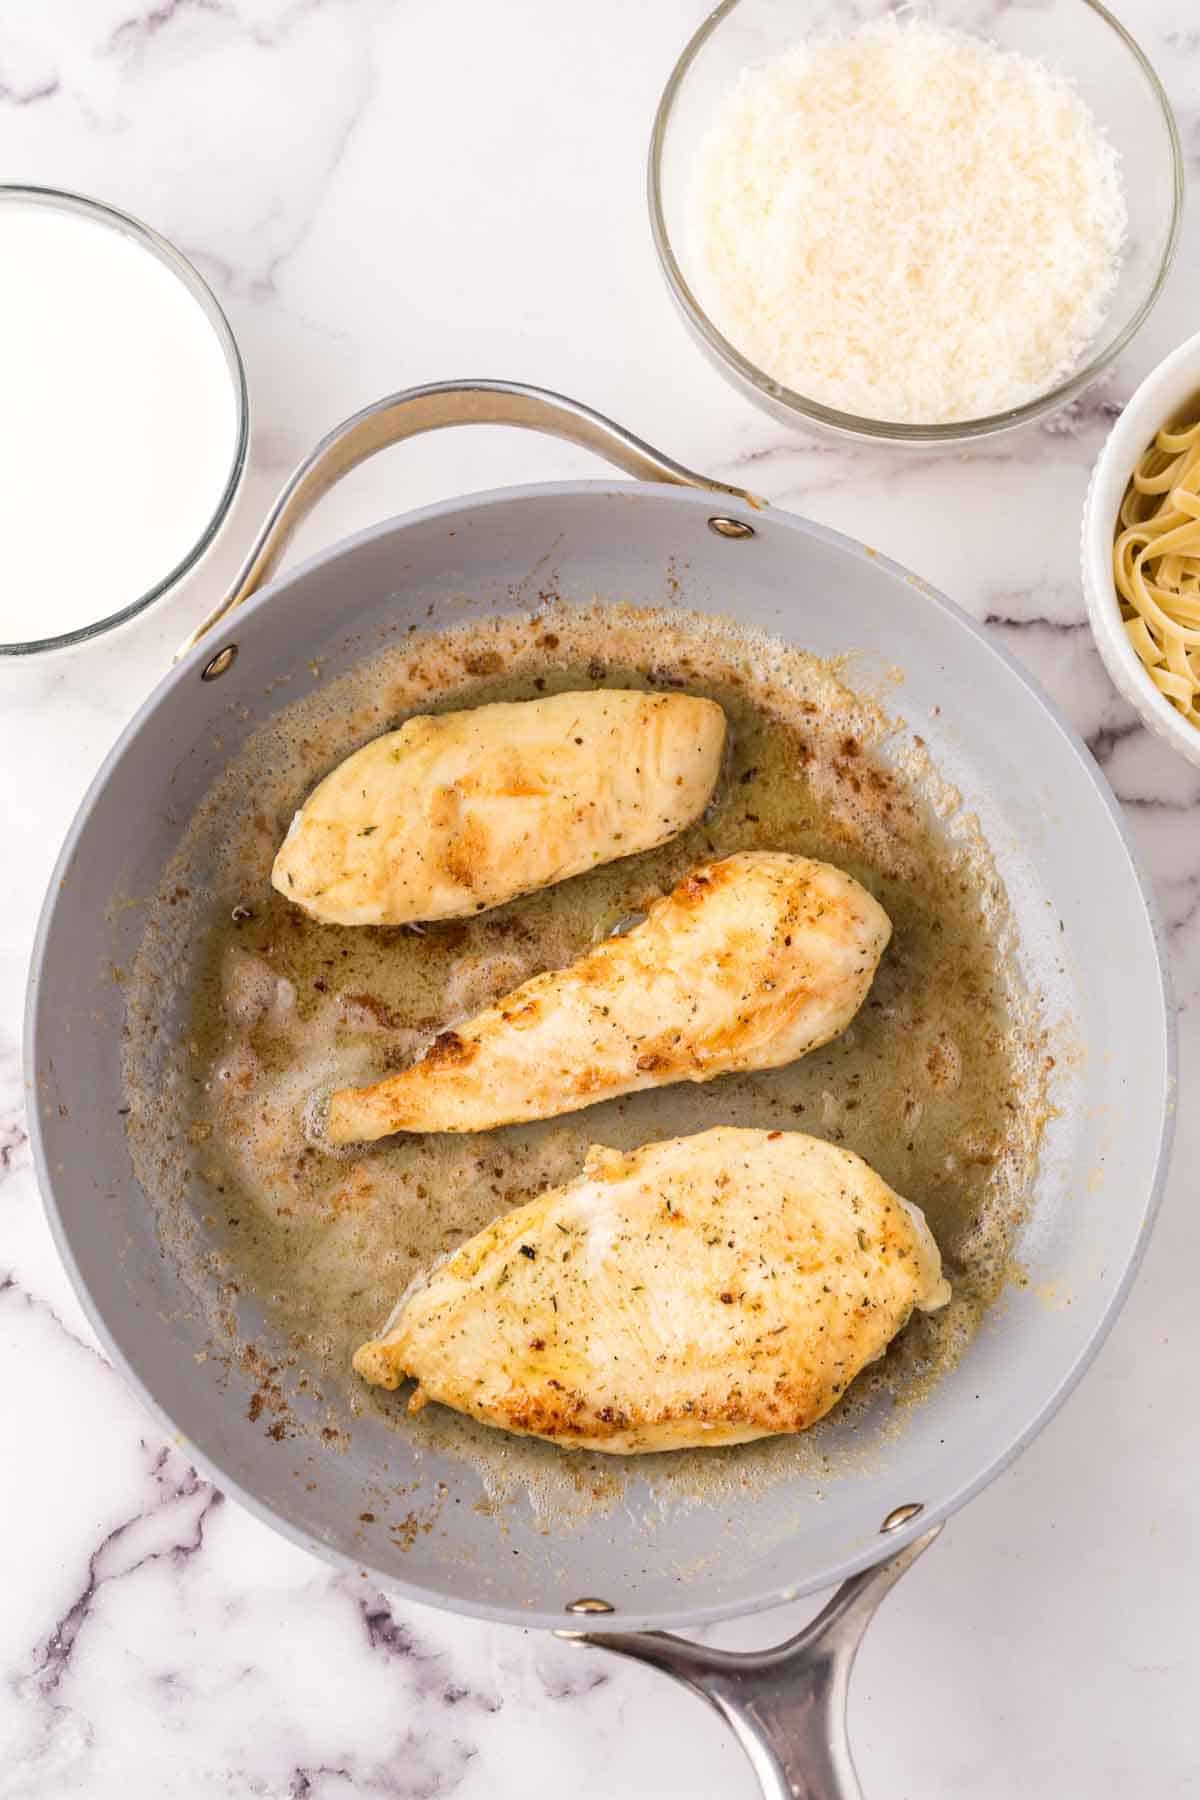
point(432, 408)
point(787, 1705)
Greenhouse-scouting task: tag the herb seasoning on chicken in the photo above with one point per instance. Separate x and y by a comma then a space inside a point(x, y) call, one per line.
point(708, 1290)
point(752, 962)
point(458, 812)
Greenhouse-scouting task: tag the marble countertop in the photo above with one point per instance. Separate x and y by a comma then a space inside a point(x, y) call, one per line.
point(386, 194)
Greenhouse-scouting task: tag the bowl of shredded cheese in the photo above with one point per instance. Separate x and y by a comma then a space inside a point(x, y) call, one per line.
point(1141, 551)
point(881, 222)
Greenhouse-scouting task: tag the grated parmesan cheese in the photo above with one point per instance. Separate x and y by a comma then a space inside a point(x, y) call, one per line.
point(907, 223)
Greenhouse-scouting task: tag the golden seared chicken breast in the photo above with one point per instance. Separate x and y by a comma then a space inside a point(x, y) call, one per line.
point(707, 1290)
point(464, 810)
point(748, 964)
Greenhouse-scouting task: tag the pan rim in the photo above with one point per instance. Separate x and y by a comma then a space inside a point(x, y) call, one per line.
point(781, 1590)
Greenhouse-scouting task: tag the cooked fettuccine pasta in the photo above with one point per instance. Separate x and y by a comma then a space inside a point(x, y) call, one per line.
point(1156, 563)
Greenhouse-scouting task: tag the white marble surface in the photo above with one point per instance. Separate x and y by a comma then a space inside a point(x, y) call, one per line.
point(388, 193)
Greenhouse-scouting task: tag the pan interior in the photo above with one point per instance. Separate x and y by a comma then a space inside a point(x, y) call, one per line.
point(937, 1083)
point(273, 1264)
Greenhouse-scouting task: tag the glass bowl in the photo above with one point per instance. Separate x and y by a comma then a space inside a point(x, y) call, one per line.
point(1079, 39)
point(189, 278)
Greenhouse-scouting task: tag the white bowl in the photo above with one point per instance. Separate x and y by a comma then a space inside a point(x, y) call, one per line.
point(1164, 390)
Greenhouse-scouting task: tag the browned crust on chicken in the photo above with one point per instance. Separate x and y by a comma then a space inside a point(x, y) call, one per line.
point(458, 812)
point(706, 1290)
point(751, 962)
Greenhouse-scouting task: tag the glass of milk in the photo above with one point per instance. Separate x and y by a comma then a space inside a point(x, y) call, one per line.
point(124, 419)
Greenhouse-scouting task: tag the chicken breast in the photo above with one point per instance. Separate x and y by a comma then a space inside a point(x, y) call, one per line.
point(748, 964)
point(707, 1290)
point(461, 811)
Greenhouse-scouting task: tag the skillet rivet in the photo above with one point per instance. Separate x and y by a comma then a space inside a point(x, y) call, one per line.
point(900, 1515)
point(220, 664)
point(589, 1605)
point(730, 528)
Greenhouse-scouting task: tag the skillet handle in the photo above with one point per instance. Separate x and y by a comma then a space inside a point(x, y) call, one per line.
point(432, 408)
point(787, 1706)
